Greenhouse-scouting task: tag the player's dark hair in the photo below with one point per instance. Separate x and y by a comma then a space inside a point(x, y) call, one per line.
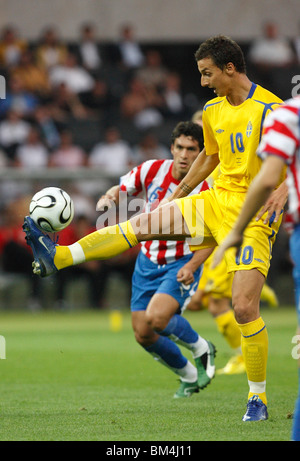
point(222, 50)
point(188, 129)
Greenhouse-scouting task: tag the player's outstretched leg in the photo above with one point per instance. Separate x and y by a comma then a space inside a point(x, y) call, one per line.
point(103, 244)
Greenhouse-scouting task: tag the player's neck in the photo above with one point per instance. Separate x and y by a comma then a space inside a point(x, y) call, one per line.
point(177, 175)
point(239, 90)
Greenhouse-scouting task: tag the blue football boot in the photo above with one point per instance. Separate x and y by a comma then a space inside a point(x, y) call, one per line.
point(43, 249)
point(256, 410)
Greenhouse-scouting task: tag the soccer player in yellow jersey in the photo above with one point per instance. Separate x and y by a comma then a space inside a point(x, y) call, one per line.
point(214, 293)
point(232, 125)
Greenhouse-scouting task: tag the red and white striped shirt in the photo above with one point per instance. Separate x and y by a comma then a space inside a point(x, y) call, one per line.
point(282, 137)
point(153, 181)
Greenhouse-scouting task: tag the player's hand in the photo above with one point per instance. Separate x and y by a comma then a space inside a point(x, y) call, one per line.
point(106, 201)
point(274, 204)
point(233, 239)
point(185, 275)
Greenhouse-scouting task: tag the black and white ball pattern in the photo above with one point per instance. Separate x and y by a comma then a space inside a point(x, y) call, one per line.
point(51, 209)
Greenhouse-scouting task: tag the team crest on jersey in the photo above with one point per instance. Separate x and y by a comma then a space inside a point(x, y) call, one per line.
point(249, 130)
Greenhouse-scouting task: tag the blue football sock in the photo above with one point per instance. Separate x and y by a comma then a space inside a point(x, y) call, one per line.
point(168, 353)
point(296, 418)
point(179, 327)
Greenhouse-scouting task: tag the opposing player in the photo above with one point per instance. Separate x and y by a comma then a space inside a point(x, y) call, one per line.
point(232, 125)
point(166, 273)
point(279, 146)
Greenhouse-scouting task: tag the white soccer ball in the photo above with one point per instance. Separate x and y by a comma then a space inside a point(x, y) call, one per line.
point(51, 209)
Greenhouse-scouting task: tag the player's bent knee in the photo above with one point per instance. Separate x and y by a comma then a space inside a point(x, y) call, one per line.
point(156, 322)
point(144, 339)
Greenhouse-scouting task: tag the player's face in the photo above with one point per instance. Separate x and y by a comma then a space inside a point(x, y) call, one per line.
point(213, 77)
point(185, 151)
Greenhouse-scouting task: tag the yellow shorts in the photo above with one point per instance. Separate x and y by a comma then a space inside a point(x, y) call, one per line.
point(210, 216)
point(216, 282)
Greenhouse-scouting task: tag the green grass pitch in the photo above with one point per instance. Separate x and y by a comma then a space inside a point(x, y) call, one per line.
point(68, 377)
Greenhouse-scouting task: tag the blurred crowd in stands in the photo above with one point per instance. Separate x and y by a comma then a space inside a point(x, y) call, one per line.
point(103, 105)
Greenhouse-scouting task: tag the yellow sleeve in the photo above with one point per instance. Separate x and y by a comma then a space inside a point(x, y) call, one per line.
point(210, 143)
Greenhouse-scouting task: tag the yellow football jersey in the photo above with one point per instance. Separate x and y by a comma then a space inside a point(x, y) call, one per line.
point(234, 132)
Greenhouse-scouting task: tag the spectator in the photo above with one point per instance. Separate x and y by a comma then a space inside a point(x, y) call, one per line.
point(131, 54)
point(272, 58)
point(153, 72)
point(68, 155)
point(89, 50)
point(34, 79)
point(13, 132)
point(75, 77)
point(47, 126)
point(271, 50)
point(65, 104)
point(50, 50)
point(33, 153)
point(174, 100)
point(11, 47)
point(99, 102)
point(149, 148)
point(142, 105)
point(113, 155)
point(18, 99)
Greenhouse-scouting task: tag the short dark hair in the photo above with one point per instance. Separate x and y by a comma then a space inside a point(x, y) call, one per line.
point(222, 50)
point(188, 129)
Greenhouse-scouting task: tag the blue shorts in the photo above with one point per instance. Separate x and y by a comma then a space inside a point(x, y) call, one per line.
point(150, 278)
point(295, 255)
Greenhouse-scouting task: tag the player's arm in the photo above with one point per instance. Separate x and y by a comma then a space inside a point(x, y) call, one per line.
point(186, 273)
point(111, 196)
point(259, 191)
point(202, 167)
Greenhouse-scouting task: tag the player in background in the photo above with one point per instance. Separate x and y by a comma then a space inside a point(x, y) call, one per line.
point(280, 146)
point(232, 124)
point(166, 272)
point(214, 293)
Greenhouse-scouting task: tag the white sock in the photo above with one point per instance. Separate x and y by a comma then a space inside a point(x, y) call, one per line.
point(188, 373)
point(199, 348)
